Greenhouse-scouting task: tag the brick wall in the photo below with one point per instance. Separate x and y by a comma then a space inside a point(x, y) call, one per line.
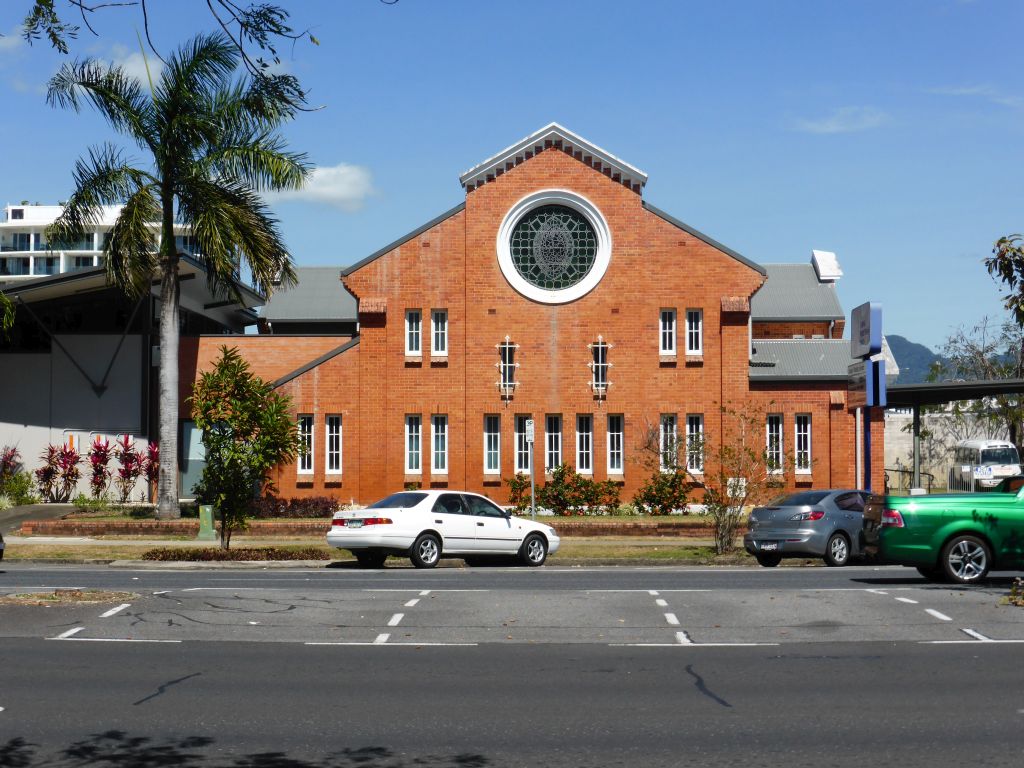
point(453, 266)
point(772, 330)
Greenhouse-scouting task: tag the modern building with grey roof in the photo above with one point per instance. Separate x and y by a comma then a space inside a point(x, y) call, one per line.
point(317, 304)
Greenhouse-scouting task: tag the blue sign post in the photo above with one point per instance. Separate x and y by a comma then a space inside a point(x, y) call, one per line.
point(866, 378)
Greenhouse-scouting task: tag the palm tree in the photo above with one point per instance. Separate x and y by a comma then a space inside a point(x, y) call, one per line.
point(212, 147)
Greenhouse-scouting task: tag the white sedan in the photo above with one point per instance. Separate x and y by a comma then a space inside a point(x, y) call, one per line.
point(428, 525)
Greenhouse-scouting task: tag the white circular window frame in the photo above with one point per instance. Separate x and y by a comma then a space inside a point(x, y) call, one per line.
point(577, 203)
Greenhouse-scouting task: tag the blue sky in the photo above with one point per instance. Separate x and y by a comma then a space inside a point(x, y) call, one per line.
point(888, 132)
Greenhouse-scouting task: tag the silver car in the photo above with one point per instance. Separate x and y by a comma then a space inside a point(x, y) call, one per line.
point(825, 524)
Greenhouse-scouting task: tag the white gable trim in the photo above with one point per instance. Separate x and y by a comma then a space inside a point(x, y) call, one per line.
point(553, 135)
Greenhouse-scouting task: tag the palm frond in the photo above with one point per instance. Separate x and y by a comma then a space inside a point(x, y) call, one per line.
point(118, 97)
point(204, 65)
point(232, 224)
point(258, 160)
point(105, 178)
point(131, 257)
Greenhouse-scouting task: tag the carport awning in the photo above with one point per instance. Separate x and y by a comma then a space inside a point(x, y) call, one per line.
point(937, 393)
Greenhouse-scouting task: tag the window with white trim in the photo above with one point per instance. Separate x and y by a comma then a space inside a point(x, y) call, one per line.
point(773, 443)
point(492, 444)
point(695, 331)
point(585, 444)
point(599, 366)
point(305, 444)
point(507, 367)
point(695, 443)
point(552, 442)
point(803, 443)
point(667, 335)
point(332, 449)
point(413, 330)
point(667, 441)
point(413, 432)
point(439, 439)
point(439, 333)
point(522, 447)
point(615, 441)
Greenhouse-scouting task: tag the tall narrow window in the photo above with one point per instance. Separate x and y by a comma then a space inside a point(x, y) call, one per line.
point(803, 443)
point(439, 434)
point(333, 448)
point(667, 441)
point(615, 422)
point(412, 444)
point(492, 444)
point(599, 366)
point(413, 328)
point(773, 442)
point(439, 332)
point(553, 442)
point(522, 447)
point(695, 332)
point(305, 444)
point(667, 337)
point(695, 443)
point(507, 367)
point(585, 444)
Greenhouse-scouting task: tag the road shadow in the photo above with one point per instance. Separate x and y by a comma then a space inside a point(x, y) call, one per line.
point(117, 748)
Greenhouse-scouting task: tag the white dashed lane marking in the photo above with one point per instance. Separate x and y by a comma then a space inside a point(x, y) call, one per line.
point(937, 615)
point(661, 603)
point(396, 619)
point(976, 635)
point(412, 602)
point(907, 600)
point(683, 638)
point(381, 639)
point(671, 619)
point(69, 633)
point(112, 611)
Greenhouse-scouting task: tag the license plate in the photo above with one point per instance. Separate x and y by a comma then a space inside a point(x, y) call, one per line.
point(355, 524)
point(769, 546)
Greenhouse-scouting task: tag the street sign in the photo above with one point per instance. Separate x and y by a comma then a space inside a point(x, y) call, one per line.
point(866, 384)
point(866, 330)
point(529, 430)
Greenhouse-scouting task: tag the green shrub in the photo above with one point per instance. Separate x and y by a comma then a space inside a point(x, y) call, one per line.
point(19, 489)
point(5, 502)
point(192, 554)
point(519, 493)
point(664, 493)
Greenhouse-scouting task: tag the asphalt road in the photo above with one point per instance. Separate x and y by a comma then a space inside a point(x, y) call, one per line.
point(510, 667)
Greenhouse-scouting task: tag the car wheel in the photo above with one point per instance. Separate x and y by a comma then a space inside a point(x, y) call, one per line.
point(837, 550)
point(965, 559)
point(768, 561)
point(371, 559)
point(534, 551)
point(426, 551)
point(931, 572)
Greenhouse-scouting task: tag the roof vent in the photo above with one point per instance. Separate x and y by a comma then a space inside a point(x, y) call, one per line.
point(826, 265)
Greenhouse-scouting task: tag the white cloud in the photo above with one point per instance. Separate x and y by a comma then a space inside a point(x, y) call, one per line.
point(343, 186)
point(987, 92)
point(11, 40)
point(134, 64)
point(844, 120)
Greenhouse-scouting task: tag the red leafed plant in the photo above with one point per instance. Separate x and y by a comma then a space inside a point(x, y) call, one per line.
point(99, 456)
point(152, 467)
point(131, 466)
point(59, 475)
point(10, 464)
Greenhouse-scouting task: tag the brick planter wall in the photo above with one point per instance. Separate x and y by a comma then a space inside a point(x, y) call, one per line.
point(685, 527)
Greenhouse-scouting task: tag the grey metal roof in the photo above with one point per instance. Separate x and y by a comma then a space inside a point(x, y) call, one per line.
point(701, 236)
point(793, 292)
point(800, 359)
point(319, 296)
point(403, 239)
point(810, 360)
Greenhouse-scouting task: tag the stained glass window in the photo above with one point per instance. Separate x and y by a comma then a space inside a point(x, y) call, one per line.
point(553, 247)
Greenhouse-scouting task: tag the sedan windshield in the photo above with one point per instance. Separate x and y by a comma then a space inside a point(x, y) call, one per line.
point(800, 499)
point(1000, 456)
point(396, 500)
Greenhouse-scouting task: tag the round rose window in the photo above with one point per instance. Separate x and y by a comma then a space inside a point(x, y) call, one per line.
point(553, 247)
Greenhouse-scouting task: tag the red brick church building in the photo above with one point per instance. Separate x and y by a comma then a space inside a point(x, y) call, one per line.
point(553, 292)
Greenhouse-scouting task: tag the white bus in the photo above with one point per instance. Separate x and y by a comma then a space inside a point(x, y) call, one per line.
point(981, 464)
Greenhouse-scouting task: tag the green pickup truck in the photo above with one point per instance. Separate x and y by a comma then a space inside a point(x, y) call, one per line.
point(950, 537)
